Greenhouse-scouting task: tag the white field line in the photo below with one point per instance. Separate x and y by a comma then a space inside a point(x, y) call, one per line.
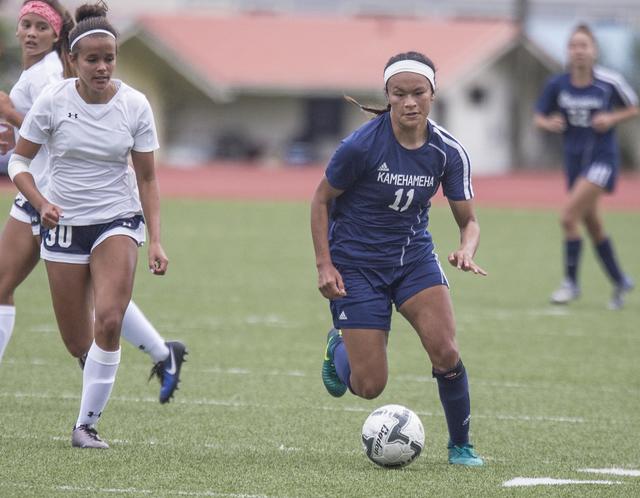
point(338, 408)
point(298, 373)
point(615, 472)
point(546, 481)
point(131, 491)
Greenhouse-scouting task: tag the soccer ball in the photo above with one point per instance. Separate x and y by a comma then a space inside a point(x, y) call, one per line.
point(392, 436)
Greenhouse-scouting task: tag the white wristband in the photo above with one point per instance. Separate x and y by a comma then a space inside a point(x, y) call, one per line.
point(18, 164)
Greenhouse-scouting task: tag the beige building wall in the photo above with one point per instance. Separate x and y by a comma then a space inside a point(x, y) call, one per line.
point(191, 124)
point(195, 124)
point(476, 114)
point(148, 83)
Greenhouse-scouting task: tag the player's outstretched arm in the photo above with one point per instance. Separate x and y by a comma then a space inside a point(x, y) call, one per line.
point(144, 166)
point(465, 217)
point(330, 282)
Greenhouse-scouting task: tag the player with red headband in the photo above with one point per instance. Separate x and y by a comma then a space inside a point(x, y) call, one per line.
point(43, 31)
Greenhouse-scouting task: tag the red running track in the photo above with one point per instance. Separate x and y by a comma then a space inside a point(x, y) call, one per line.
point(241, 182)
point(518, 190)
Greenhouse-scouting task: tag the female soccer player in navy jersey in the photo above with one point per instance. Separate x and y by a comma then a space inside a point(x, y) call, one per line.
point(369, 219)
point(91, 217)
point(585, 104)
point(43, 31)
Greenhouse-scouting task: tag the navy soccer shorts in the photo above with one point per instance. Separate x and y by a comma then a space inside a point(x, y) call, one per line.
point(371, 291)
point(23, 211)
point(601, 170)
point(73, 244)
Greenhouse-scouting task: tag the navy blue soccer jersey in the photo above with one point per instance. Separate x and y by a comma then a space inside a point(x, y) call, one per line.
point(381, 218)
point(608, 91)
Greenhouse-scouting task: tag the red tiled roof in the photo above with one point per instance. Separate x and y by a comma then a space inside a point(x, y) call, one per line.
point(285, 52)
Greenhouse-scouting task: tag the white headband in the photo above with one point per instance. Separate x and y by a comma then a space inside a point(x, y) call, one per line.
point(90, 32)
point(411, 66)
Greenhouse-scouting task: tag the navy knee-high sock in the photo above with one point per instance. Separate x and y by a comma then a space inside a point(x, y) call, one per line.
point(572, 258)
point(605, 251)
point(454, 395)
point(341, 362)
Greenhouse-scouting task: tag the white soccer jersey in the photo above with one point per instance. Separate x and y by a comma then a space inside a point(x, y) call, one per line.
point(89, 147)
point(24, 93)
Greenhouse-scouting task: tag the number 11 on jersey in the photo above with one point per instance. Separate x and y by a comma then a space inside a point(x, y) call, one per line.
point(399, 194)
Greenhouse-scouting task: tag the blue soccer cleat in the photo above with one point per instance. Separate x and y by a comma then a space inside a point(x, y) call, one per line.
point(168, 371)
point(463, 455)
point(330, 377)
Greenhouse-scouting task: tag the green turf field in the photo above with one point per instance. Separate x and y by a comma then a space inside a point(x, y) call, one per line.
point(555, 390)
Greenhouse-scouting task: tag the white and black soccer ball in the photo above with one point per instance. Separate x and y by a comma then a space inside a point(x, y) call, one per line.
point(392, 436)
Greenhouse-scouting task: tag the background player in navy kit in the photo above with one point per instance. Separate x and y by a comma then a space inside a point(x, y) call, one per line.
point(43, 31)
point(91, 217)
point(368, 220)
point(585, 104)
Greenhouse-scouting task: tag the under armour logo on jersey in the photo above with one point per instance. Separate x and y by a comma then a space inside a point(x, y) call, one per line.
point(127, 224)
point(383, 167)
point(343, 316)
point(73, 115)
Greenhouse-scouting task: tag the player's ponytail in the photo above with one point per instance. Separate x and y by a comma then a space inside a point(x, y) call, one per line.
point(91, 17)
point(378, 111)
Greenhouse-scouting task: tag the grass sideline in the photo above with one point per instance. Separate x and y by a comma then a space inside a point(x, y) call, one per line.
point(554, 390)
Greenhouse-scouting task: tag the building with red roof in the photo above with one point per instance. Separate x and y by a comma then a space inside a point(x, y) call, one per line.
point(271, 86)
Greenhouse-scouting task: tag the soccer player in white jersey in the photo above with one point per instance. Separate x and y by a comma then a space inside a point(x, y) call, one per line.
point(91, 219)
point(43, 31)
point(369, 220)
point(585, 104)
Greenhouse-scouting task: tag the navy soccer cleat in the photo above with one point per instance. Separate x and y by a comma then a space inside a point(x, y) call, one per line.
point(330, 377)
point(168, 371)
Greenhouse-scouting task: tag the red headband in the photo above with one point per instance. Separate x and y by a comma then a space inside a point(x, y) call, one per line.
point(45, 10)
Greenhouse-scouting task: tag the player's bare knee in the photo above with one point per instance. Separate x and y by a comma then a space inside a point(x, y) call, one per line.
point(6, 298)
point(78, 347)
point(568, 220)
point(109, 323)
point(7, 288)
point(371, 392)
point(444, 357)
point(371, 388)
